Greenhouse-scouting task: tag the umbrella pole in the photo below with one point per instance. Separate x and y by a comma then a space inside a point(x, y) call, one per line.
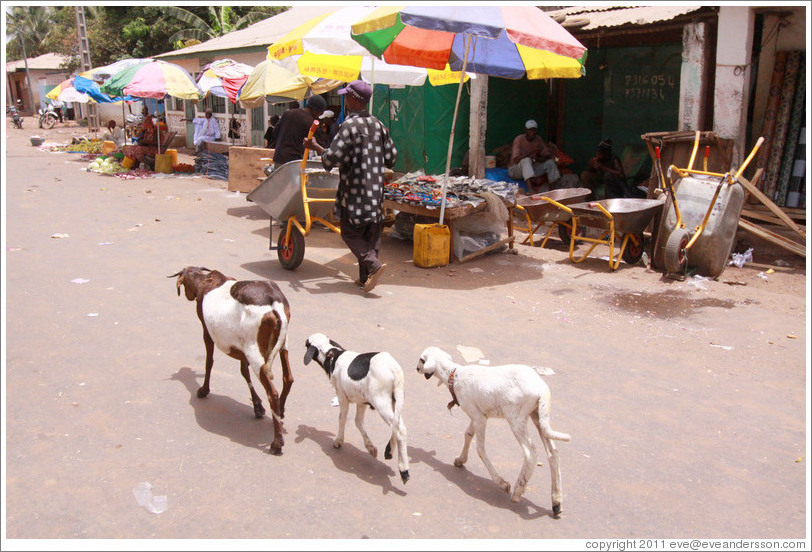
point(454, 124)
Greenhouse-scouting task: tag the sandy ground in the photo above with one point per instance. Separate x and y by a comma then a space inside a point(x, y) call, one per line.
point(686, 400)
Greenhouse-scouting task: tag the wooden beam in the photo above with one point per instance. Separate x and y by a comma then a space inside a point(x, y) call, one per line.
point(776, 210)
point(772, 237)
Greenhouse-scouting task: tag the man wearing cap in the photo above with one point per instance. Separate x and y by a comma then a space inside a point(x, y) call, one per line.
point(362, 150)
point(293, 128)
point(531, 158)
point(328, 128)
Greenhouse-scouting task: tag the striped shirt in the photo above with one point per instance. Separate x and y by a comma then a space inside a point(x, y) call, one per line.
point(361, 150)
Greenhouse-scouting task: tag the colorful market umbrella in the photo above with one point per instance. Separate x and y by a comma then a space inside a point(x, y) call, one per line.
point(506, 41)
point(66, 92)
point(271, 81)
point(153, 79)
point(326, 49)
point(501, 41)
point(223, 78)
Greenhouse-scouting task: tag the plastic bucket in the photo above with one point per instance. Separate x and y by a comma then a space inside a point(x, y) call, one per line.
point(432, 245)
point(163, 163)
point(108, 147)
point(174, 154)
point(128, 162)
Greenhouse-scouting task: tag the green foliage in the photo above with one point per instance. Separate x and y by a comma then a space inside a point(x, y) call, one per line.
point(121, 32)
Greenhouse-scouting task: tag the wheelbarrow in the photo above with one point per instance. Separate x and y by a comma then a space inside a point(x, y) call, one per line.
point(701, 216)
point(296, 194)
point(620, 219)
point(539, 210)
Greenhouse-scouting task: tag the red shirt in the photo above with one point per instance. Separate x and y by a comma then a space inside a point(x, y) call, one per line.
point(522, 147)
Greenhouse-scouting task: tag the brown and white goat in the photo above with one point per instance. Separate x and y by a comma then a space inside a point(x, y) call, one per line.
point(248, 321)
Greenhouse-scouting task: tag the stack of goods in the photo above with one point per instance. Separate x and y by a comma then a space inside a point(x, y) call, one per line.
point(213, 165)
point(418, 189)
point(85, 146)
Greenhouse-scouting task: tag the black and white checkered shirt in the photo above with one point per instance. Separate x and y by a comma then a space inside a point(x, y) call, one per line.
point(361, 150)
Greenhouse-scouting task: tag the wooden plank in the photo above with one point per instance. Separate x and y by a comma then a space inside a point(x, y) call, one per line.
point(772, 237)
point(760, 216)
point(776, 210)
point(795, 213)
point(245, 166)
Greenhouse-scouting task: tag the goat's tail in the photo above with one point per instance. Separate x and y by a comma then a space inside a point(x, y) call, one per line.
point(544, 421)
point(280, 340)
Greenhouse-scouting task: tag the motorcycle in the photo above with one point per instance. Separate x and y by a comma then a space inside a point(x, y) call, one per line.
point(16, 118)
point(47, 117)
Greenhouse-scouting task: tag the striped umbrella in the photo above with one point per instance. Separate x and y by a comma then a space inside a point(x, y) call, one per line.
point(223, 78)
point(153, 79)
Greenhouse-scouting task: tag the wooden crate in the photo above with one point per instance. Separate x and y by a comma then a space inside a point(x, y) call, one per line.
point(245, 166)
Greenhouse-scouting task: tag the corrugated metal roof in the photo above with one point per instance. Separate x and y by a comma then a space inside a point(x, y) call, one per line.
point(43, 62)
point(258, 35)
point(608, 16)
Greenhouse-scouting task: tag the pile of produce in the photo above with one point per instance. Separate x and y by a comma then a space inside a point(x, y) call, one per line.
point(106, 165)
point(81, 147)
point(212, 165)
point(183, 168)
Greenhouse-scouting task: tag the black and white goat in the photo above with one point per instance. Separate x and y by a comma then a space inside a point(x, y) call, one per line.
point(515, 392)
point(248, 321)
point(366, 379)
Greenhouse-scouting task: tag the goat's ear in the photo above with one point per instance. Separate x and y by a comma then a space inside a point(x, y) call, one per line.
point(177, 284)
point(311, 350)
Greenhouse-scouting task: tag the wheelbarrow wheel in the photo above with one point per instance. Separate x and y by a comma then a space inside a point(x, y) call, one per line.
point(675, 256)
point(634, 249)
point(565, 233)
point(291, 254)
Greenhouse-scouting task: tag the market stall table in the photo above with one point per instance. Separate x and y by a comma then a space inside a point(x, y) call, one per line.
point(454, 213)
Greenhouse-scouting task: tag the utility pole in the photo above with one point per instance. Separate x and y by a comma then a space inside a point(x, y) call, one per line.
point(35, 105)
point(84, 53)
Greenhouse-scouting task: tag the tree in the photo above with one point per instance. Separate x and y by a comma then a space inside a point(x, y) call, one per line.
point(31, 24)
point(221, 22)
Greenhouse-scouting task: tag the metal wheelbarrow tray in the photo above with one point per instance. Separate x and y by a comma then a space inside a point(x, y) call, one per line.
point(620, 218)
point(539, 210)
point(296, 196)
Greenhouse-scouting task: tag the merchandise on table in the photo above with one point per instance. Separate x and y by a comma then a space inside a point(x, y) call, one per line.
point(419, 189)
point(213, 165)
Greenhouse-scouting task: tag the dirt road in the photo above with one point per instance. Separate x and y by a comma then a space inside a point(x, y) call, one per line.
point(686, 401)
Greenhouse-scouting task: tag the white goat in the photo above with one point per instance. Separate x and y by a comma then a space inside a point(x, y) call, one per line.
point(515, 392)
point(366, 379)
point(248, 321)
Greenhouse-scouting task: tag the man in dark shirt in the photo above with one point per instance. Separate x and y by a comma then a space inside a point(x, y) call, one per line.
point(293, 128)
point(270, 139)
point(362, 150)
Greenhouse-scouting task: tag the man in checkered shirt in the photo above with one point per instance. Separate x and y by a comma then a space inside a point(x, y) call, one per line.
point(361, 150)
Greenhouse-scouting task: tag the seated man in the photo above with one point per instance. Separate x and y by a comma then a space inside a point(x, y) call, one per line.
point(207, 129)
point(531, 158)
point(605, 175)
point(114, 134)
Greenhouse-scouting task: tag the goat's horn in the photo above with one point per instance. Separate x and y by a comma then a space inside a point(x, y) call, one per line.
point(176, 274)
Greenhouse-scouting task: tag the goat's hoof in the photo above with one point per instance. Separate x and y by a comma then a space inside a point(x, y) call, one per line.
point(515, 497)
point(276, 450)
point(202, 393)
point(373, 452)
point(505, 486)
point(557, 509)
point(337, 444)
point(459, 462)
point(259, 411)
point(404, 476)
point(388, 453)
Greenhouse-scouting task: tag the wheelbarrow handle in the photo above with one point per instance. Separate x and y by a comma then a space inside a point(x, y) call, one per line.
point(749, 158)
point(313, 128)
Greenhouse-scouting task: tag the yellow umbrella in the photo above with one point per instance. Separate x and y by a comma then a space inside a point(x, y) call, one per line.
point(270, 81)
